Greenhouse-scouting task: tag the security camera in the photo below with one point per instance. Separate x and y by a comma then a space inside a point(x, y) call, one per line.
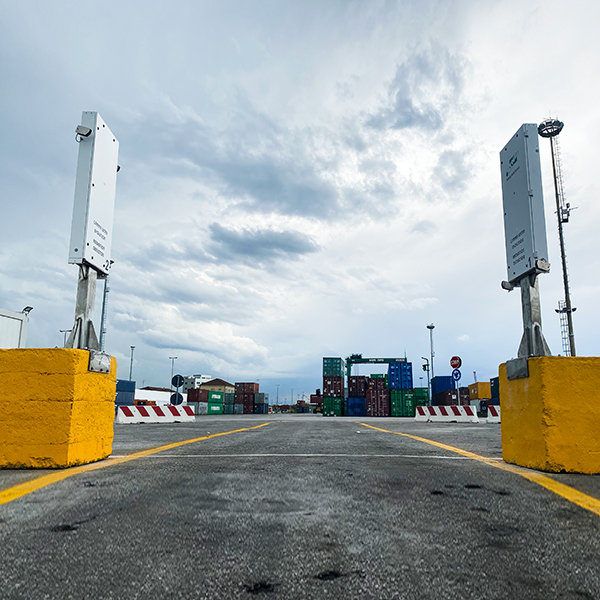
point(509, 287)
point(83, 131)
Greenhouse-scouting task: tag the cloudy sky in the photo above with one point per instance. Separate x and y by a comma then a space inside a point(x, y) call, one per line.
point(298, 179)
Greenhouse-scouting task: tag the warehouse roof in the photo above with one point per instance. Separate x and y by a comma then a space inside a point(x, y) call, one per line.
point(217, 382)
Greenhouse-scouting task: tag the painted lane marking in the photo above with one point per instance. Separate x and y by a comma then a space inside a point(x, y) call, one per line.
point(571, 494)
point(314, 455)
point(22, 489)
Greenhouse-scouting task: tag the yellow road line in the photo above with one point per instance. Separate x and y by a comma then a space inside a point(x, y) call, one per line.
point(571, 494)
point(12, 493)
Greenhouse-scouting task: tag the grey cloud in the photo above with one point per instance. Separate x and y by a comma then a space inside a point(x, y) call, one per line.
point(256, 163)
point(409, 103)
point(258, 246)
point(452, 171)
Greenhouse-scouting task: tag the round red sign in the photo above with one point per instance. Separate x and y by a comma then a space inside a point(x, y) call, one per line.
point(455, 362)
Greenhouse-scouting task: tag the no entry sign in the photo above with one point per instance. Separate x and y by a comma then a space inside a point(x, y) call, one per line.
point(456, 362)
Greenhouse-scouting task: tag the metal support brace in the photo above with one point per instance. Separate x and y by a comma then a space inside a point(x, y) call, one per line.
point(83, 335)
point(532, 342)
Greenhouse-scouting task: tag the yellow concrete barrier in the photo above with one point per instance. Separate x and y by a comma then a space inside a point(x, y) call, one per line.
point(551, 419)
point(54, 412)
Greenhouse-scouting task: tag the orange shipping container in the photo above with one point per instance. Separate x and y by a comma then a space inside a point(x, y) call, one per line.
point(480, 390)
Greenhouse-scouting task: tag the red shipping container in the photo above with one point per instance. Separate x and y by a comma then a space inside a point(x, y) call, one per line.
point(246, 388)
point(197, 395)
point(333, 387)
point(357, 386)
point(445, 398)
point(314, 399)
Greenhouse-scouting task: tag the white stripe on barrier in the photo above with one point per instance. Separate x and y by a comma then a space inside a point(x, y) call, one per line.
point(493, 413)
point(446, 414)
point(126, 414)
point(154, 414)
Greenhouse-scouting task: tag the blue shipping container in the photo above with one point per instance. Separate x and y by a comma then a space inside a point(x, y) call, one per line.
point(400, 376)
point(495, 387)
point(356, 407)
point(441, 384)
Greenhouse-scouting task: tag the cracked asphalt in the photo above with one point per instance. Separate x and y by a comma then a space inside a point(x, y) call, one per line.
point(305, 507)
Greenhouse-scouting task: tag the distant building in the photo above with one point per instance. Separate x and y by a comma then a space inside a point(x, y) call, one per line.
point(193, 382)
point(218, 385)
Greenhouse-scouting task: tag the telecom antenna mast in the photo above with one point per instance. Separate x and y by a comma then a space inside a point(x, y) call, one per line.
point(550, 128)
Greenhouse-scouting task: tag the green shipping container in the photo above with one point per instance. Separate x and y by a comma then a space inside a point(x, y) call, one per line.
point(333, 407)
point(227, 409)
point(229, 398)
point(215, 408)
point(215, 397)
point(402, 403)
point(333, 367)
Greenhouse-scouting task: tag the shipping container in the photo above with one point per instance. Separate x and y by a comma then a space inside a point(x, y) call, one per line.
point(246, 388)
point(378, 402)
point(495, 387)
point(333, 406)
point(441, 384)
point(421, 396)
point(215, 408)
point(238, 409)
point(445, 398)
point(356, 407)
point(228, 409)
point(400, 376)
point(228, 398)
point(333, 387)
point(314, 399)
point(215, 397)
point(259, 409)
point(480, 390)
point(402, 403)
point(197, 395)
point(243, 398)
point(259, 398)
point(333, 367)
point(357, 386)
point(248, 408)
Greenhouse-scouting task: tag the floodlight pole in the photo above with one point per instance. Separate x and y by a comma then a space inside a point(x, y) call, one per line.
point(563, 254)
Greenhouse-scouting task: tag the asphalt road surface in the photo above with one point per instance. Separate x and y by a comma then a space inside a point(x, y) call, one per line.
point(303, 507)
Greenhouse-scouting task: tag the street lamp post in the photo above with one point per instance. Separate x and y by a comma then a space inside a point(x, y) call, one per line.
point(172, 359)
point(431, 327)
point(131, 363)
point(426, 368)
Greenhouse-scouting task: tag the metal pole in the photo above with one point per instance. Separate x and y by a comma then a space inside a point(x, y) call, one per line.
point(172, 359)
point(103, 317)
point(429, 390)
point(277, 386)
point(563, 256)
point(532, 342)
point(83, 335)
point(431, 327)
point(131, 363)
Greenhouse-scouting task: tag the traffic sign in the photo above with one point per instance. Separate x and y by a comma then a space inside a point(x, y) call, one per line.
point(456, 362)
point(177, 381)
point(456, 375)
point(176, 398)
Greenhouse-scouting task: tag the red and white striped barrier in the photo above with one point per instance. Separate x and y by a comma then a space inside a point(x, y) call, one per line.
point(446, 414)
point(154, 414)
point(182, 414)
point(493, 413)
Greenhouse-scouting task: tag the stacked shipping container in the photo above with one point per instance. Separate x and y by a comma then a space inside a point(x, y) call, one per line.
point(333, 386)
point(379, 395)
